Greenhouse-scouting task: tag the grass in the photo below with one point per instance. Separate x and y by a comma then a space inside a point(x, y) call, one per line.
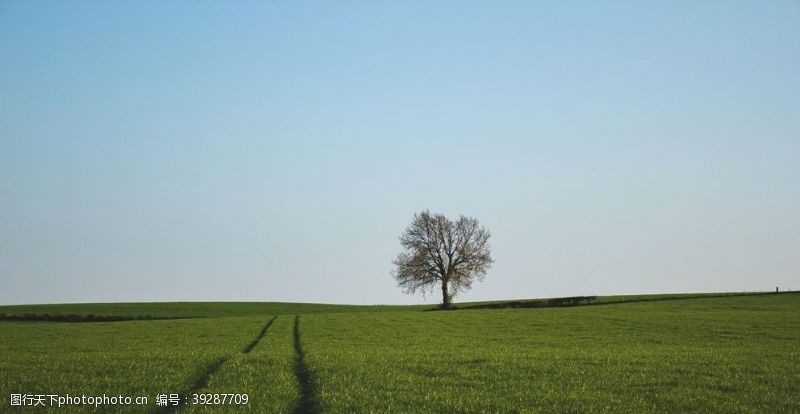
point(718, 354)
point(135, 358)
point(265, 373)
point(725, 355)
point(193, 309)
point(145, 310)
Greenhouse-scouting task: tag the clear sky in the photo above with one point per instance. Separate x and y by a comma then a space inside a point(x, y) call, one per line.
point(274, 151)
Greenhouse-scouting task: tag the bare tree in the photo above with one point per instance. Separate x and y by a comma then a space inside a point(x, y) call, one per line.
point(440, 251)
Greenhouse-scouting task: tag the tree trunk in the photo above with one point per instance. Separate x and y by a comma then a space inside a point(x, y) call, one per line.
point(445, 296)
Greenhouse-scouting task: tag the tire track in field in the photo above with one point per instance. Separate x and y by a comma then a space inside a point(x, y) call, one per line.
point(199, 383)
point(260, 336)
point(202, 380)
point(308, 393)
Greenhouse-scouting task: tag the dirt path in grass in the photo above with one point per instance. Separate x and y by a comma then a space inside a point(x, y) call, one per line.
point(202, 380)
point(308, 391)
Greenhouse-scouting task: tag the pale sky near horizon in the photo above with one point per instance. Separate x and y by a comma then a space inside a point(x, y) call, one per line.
point(274, 151)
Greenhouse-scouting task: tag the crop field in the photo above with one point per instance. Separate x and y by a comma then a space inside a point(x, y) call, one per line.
point(705, 353)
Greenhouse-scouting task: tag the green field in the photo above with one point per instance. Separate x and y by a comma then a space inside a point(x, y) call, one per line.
point(722, 353)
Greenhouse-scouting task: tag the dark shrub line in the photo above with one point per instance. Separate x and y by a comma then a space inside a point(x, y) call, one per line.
point(308, 394)
point(589, 301)
point(541, 303)
point(75, 318)
point(534, 303)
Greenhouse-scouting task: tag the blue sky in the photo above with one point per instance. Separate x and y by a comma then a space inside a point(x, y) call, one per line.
point(275, 151)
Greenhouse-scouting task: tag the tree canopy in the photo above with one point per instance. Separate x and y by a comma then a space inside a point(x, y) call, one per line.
point(444, 252)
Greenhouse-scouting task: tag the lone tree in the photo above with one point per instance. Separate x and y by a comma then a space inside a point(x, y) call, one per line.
point(438, 250)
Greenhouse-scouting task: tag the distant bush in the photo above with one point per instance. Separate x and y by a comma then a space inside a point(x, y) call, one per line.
point(540, 303)
point(570, 301)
